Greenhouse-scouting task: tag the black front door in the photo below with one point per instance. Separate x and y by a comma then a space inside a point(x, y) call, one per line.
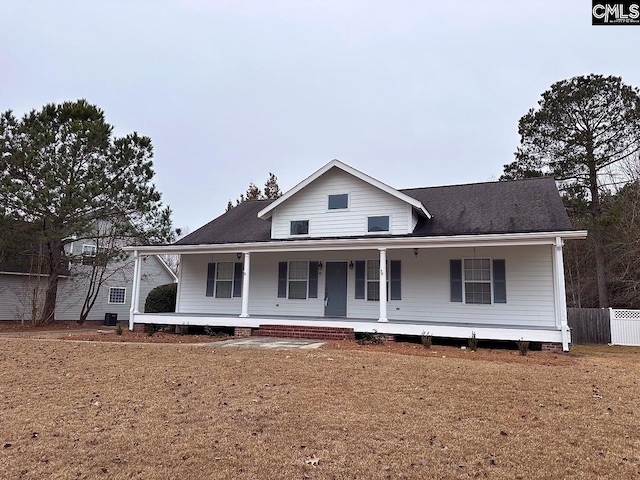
point(335, 290)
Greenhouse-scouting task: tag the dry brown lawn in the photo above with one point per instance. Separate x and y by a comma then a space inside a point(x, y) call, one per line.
point(101, 410)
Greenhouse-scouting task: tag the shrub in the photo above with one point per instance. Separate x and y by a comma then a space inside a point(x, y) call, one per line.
point(523, 347)
point(215, 332)
point(150, 329)
point(162, 299)
point(368, 338)
point(473, 342)
point(118, 329)
point(426, 340)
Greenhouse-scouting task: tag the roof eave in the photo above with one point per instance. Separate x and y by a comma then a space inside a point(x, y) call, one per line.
point(499, 239)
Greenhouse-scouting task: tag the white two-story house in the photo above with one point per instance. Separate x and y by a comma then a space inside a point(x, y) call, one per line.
point(342, 250)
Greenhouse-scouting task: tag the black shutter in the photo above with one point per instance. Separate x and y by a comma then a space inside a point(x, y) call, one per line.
point(360, 273)
point(237, 280)
point(499, 282)
point(282, 279)
point(313, 279)
point(211, 278)
point(395, 283)
point(455, 268)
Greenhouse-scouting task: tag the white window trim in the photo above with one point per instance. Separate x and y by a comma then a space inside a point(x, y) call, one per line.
point(330, 210)
point(366, 280)
point(464, 281)
point(124, 298)
point(215, 281)
point(300, 235)
point(366, 224)
point(93, 247)
point(297, 280)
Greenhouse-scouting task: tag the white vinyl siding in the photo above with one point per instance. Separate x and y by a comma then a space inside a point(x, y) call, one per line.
point(364, 201)
point(425, 287)
point(16, 291)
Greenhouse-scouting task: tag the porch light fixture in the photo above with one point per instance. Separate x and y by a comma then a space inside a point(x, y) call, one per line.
point(415, 252)
point(351, 265)
point(238, 255)
point(319, 267)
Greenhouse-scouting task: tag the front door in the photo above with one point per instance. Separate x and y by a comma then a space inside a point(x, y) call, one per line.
point(335, 290)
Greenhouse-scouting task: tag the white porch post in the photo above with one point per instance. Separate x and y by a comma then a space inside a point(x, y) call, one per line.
point(245, 284)
point(561, 297)
point(134, 288)
point(383, 285)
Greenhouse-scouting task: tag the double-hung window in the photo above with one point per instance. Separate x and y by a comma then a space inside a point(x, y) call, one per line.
point(224, 279)
point(298, 279)
point(479, 281)
point(373, 280)
point(89, 254)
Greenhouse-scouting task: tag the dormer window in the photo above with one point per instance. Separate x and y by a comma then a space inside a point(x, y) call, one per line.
point(378, 224)
point(339, 202)
point(300, 227)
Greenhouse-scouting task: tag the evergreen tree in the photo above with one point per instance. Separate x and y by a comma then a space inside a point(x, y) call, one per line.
point(582, 128)
point(62, 170)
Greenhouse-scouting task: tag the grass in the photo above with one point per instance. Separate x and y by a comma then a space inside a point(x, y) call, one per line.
point(97, 410)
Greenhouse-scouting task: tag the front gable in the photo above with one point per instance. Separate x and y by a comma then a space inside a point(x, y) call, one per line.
point(338, 201)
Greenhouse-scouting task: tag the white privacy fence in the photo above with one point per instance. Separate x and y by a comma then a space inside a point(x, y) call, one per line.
point(625, 326)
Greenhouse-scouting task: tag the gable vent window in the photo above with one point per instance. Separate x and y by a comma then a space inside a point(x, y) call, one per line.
point(378, 224)
point(300, 227)
point(339, 202)
point(117, 295)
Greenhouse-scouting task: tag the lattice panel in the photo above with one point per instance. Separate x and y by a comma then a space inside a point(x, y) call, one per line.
point(626, 314)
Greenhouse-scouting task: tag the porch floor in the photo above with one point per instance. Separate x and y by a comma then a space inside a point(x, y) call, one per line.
point(294, 318)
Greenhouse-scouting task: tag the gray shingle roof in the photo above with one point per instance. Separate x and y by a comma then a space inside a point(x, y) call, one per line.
point(519, 206)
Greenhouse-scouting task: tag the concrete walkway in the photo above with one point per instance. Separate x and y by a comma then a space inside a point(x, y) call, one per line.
point(270, 342)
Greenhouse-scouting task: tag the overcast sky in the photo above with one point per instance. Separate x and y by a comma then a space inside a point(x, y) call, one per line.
point(413, 93)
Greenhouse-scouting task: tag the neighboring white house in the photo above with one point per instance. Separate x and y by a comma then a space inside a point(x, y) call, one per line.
point(481, 258)
point(17, 286)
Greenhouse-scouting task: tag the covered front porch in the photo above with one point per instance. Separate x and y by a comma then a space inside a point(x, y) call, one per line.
point(398, 286)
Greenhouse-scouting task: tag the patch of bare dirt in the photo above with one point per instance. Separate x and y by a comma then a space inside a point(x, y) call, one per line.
point(441, 351)
point(6, 326)
point(137, 337)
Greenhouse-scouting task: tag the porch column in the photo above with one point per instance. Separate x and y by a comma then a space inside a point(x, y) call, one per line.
point(383, 285)
point(134, 288)
point(245, 284)
point(561, 296)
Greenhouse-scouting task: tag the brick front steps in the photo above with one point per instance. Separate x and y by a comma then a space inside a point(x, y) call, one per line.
point(293, 331)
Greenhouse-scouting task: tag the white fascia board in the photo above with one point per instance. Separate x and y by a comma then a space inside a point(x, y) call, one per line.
point(489, 240)
point(266, 212)
point(167, 268)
